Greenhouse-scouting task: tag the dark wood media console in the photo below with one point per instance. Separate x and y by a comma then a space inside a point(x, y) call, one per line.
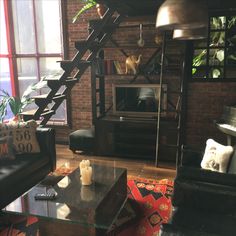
point(135, 137)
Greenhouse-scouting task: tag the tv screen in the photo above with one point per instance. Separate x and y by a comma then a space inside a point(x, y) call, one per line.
point(138, 99)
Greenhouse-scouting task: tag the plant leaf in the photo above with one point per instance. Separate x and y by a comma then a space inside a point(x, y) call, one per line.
point(194, 71)
point(25, 99)
point(220, 55)
point(86, 7)
point(216, 73)
point(33, 87)
point(3, 108)
point(15, 105)
point(233, 57)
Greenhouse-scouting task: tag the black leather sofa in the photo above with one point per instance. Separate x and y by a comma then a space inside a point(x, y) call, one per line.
point(199, 188)
point(204, 201)
point(19, 175)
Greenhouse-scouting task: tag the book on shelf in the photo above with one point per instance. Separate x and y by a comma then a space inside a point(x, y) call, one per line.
point(118, 67)
point(108, 67)
point(100, 66)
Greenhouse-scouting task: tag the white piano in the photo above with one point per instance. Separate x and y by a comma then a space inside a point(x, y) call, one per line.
point(227, 124)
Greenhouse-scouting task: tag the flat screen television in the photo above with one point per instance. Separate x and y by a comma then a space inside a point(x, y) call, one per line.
point(138, 99)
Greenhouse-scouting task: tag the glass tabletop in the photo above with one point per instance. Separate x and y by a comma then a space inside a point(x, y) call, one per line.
point(96, 205)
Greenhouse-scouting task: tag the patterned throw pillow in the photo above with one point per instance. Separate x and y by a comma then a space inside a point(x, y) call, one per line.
point(24, 136)
point(6, 148)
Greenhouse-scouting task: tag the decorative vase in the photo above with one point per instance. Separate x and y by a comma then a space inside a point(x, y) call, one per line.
point(101, 9)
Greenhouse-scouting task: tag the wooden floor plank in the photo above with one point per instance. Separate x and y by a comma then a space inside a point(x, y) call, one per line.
point(135, 167)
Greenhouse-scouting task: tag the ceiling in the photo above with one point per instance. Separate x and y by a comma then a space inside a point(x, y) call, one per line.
point(134, 7)
point(149, 7)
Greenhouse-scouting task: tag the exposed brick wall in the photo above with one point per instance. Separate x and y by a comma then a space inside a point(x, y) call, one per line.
point(205, 100)
point(205, 104)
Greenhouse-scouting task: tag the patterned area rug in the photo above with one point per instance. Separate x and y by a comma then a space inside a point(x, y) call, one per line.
point(148, 206)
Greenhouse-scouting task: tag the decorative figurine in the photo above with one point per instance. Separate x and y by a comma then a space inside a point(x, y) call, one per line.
point(132, 63)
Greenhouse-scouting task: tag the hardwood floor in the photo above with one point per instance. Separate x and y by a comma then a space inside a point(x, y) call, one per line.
point(140, 168)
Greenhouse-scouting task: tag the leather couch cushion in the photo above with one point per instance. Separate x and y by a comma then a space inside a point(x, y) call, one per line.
point(186, 222)
point(203, 195)
point(207, 176)
point(232, 163)
point(21, 168)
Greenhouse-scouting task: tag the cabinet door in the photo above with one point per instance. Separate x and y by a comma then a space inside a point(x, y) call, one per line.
point(135, 140)
point(104, 141)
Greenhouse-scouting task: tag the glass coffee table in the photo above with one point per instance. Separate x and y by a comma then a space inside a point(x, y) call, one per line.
point(77, 210)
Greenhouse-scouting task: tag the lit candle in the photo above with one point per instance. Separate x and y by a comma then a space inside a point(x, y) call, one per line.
point(84, 163)
point(86, 175)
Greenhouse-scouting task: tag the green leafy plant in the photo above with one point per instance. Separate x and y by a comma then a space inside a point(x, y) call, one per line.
point(198, 60)
point(88, 5)
point(17, 104)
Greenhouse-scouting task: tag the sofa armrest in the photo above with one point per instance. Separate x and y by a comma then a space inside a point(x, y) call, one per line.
point(191, 157)
point(46, 139)
point(232, 163)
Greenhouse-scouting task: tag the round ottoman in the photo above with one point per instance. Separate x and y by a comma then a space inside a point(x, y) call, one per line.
point(82, 139)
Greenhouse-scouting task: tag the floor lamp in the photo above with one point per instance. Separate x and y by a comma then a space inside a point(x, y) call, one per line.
point(189, 21)
point(160, 96)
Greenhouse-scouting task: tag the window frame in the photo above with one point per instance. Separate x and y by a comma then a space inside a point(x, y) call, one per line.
point(12, 56)
point(208, 67)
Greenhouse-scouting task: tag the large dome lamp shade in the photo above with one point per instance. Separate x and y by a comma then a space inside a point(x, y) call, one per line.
point(182, 14)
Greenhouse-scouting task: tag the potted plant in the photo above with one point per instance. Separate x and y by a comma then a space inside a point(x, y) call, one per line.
point(88, 4)
point(17, 104)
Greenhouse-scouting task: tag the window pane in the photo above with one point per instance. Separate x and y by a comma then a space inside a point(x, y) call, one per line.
point(217, 38)
point(216, 57)
point(50, 66)
point(231, 33)
point(199, 57)
point(200, 43)
point(231, 22)
point(24, 26)
point(231, 72)
point(5, 82)
point(27, 73)
point(218, 22)
point(48, 26)
point(3, 37)
point(60, 113)
point(231, 56)
point(216, 73)
point(199, 72)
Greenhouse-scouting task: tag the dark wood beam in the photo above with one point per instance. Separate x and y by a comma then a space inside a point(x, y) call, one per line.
point(150, 7)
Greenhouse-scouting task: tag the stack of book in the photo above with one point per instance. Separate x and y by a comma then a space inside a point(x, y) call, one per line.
point(108, 67)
